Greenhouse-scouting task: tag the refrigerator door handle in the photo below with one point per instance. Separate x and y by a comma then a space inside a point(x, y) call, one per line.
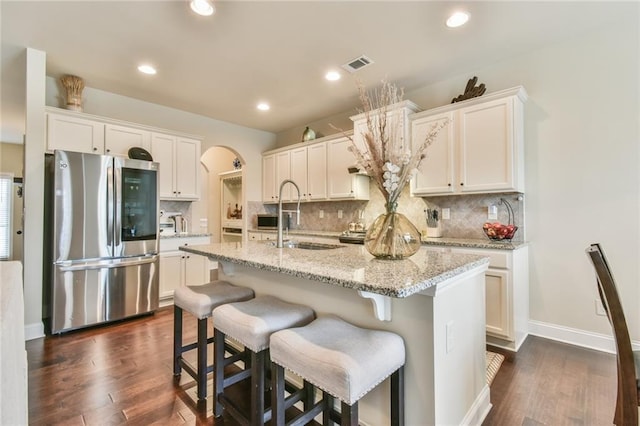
point(117, 208)
point(110, 211)
point(69, 266)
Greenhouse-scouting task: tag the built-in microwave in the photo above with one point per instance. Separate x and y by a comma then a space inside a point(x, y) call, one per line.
point(270, 221)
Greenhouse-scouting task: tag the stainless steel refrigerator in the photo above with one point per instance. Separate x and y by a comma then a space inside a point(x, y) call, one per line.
point(101, 232)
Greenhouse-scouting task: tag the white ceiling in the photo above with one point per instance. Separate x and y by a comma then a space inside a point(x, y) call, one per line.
point(276, 51)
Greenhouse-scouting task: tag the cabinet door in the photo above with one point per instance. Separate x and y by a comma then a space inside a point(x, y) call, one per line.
point(118, 139)
point(74, 134)
point(254, 236)
point(269, 178)
point(436, 172)
point(299, 172)
point(187, 168)
point(170, 273)
point(283, 172)
point(195, 269)
point(162, 152)
point(339, 159)
point(486, 146)
point(317, 171)
point(498, 304)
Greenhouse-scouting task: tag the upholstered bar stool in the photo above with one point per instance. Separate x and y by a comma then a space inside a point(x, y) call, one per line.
point(251, 323)
point(200, 301)
point(342, 360)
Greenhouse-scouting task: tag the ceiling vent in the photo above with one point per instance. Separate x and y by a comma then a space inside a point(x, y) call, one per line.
point(357, 64)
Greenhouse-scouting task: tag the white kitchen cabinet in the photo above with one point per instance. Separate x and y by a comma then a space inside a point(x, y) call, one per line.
point(178, 268)
point(179, 160)
point(480, 151)
point(276, 167)
point(309, 171)
point(342, 184)
point(72, 133)
point(118, 139)
point(507, 295)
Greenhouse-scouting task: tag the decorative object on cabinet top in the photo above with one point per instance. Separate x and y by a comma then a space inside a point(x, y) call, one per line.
point(471, 91)
point(74, 86)
point(308, 134)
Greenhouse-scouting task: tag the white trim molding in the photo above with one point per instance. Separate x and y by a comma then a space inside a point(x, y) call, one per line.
point(574, 336)
point(33, 331)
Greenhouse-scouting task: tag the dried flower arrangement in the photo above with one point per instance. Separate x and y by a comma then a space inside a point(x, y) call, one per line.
point(386, 156)
point(74, 86)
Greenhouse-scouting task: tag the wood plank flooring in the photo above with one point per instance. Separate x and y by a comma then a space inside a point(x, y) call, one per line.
point(122, 374)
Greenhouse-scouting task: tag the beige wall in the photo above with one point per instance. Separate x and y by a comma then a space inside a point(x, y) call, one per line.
point(11, 158)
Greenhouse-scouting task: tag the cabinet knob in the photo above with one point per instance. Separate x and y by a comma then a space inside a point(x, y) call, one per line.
point(461, 183)
point(108, 150)
point(95, 149)
point(449, 184)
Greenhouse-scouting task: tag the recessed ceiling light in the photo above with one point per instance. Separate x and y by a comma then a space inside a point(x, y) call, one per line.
point(147, 69)
point(332, 75)
point(263, 106)
point(202, 7)
point(457, 19)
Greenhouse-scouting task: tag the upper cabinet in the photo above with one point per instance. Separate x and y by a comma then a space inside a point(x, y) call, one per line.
point(319, 168)
point(70, 133)
point(343, 185)
point(179, 160)
point(481, 150)
point(178, 155)
point(118, 139)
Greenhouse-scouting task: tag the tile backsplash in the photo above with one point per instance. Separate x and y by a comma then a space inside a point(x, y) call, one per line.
point(467, 212)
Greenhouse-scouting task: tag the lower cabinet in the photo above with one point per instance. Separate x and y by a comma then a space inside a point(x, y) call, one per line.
point(507, 296)
point(179, 268)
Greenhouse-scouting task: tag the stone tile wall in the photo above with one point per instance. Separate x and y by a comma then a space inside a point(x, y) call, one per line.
point(467, 212)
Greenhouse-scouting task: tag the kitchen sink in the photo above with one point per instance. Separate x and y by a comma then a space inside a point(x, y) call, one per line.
point(307, 245)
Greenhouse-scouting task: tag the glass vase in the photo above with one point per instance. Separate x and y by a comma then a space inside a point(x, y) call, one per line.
point(392, 236)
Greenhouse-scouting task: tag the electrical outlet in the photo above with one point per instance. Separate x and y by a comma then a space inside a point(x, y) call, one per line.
point(600, 309)
point(321, 214)
point(446, 214)
point(449, 331)
point(339, 214)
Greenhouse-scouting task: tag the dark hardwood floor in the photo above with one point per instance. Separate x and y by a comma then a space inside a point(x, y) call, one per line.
point(122, 374)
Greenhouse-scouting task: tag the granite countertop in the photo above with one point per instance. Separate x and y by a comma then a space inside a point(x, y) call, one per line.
point(185, 235)
point(349, 266)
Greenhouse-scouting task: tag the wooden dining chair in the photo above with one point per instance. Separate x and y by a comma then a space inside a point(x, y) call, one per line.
point(628, 362)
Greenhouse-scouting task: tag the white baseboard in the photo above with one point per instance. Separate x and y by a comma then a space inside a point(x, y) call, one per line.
point(574, 336)
point(33, 331)
point(479, 409)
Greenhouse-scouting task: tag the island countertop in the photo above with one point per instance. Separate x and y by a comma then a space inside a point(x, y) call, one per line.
point(349, 266)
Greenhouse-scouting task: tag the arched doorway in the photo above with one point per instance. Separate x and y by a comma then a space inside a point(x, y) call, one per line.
point(214, 161)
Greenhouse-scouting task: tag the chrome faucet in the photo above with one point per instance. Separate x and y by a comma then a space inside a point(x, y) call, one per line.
point(279, 242)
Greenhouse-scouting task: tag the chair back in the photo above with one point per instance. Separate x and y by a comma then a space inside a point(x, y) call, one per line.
point(627, 401)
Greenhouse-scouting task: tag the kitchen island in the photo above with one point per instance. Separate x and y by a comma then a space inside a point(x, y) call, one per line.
point(434, 300)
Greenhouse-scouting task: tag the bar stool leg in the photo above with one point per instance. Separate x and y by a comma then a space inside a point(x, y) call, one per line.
point(349, 414)
point(308, 400)
point(177, 340)
point(397, 397)
point(328, 408)
point(202, 359)
point(277, 395)
point(218, 366)
point(257, 387)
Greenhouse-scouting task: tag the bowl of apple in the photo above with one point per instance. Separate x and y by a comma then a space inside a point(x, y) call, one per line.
point(497, 231)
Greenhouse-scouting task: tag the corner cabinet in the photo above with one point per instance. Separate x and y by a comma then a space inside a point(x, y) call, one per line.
point(507, 295)
point(179, 160)
point(74, 133)
point(343, 185)
point(481, 150)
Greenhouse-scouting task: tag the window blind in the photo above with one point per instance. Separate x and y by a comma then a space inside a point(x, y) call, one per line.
point(6, 200)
